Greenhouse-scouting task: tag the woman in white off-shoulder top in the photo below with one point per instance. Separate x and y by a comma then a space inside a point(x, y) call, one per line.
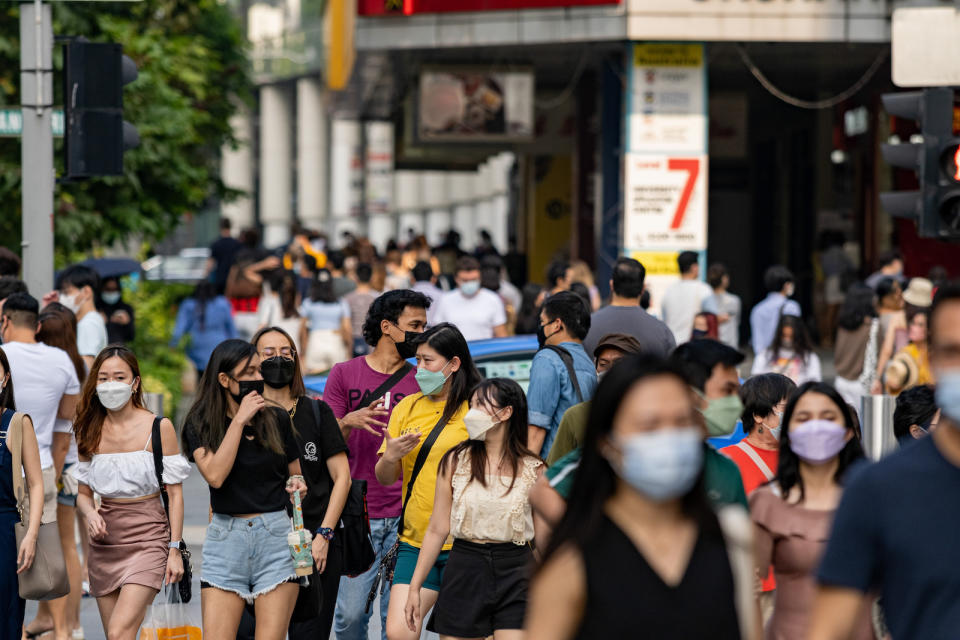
point(133, 548)
point(483, 501)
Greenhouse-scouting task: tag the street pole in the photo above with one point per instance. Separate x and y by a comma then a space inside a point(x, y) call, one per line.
point(37, 173)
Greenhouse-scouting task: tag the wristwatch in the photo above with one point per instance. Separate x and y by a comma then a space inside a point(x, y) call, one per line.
point(175, 544)
point(325, 533)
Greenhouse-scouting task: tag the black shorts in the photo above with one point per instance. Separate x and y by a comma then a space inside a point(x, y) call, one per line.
point(484, 589)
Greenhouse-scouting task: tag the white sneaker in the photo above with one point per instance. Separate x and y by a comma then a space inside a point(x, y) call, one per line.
point(78, 634)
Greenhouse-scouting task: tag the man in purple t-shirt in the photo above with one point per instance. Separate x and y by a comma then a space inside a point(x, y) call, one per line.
point(392, 322)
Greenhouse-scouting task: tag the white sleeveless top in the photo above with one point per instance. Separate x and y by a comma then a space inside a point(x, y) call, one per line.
point(494, 513)
point(130, 474)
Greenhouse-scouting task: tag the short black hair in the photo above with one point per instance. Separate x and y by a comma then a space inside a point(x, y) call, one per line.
point(628, 276)
point(686, 260)
point(422, 272)
point(556, 271)
point(10, 285)
point(760, 394)
point(699, 357)
point(889, 257)
point(364, 272)
point(467, 263)
point(79, 276)
point(915, 406)
point(336, 259)
point(9, 263)
point(886, 285)
point(225, 223)
point(22, 309)
point(571, 310)
point(390, 306)
point(715, 274)
point(776, 278)
point(947, 293)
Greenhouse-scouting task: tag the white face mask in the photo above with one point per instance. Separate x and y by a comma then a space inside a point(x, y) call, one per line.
point(69, 301)
point(114, 395)
point(479, 423)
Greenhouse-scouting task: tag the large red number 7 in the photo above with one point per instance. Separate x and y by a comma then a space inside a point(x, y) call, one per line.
point(692, 167)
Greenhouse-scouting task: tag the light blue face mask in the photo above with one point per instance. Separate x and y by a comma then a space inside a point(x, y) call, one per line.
point(431, 382)
point(948, 394)
point(470, 288)
point(662, 464)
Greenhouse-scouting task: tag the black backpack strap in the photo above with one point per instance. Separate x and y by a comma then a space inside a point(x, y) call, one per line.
point(418, 465)
point(567, 359)
point(157, 443)
point(388, 384)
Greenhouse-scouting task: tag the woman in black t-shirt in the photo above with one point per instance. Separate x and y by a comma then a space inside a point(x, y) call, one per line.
point(248, 455)
point(323, 458)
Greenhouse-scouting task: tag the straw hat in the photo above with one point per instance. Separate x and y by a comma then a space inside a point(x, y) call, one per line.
point(919, 293)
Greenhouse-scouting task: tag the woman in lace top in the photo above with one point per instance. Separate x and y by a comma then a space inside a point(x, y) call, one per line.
point(482, 500)
point(133, 549)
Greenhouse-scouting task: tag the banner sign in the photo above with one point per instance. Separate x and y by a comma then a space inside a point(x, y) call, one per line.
point(665, 202)
point(412, 7)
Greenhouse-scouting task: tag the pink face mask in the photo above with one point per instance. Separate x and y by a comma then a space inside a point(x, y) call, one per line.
point(817, 441)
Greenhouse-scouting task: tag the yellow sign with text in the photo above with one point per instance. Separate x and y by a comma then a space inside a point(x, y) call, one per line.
point(658, 263)
point(667, 55)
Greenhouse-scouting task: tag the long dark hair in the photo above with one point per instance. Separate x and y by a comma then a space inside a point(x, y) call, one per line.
point(596, 480)
point(6, 396)
point(497, 393)
point(208, 414)
point(788, 468)
point(91, 413)
point(203, 294)
point(859, 304)
point(284, 284)
point(297, 388)
point(528, 315)
point(58, 328)
point(447, 340)
point(801, 339)
point(321, 289)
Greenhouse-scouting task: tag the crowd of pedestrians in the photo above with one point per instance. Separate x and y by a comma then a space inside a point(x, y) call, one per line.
point(646, 466)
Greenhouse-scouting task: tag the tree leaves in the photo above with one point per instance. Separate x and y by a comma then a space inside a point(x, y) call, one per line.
point(193, 74)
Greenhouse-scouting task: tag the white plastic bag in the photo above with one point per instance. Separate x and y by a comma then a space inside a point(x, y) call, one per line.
point(171, 620)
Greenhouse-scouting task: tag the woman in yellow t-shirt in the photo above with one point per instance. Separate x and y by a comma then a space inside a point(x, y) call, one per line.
point(446, 376)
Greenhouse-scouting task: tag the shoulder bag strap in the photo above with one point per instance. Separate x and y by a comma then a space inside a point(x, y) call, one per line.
point(388, 384)
point(158, 463)
point(12, 423)
point(757, 460)
point(567, 359)
point(418, 465)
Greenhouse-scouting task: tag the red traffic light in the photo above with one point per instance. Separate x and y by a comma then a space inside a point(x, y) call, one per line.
point(950, 162)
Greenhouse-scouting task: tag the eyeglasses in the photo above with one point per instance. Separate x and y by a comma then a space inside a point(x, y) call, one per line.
point(270, 352)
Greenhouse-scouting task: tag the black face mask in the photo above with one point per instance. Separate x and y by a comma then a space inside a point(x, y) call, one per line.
point(699, 334)
point(542, 335)
point(246, 387)
point(408, 348)
point(277, 371)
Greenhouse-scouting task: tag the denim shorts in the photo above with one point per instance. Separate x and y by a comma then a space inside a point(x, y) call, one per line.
point(248, 556)
point(407, 555)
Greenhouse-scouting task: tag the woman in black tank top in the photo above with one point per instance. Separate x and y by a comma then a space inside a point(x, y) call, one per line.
point(639, 552)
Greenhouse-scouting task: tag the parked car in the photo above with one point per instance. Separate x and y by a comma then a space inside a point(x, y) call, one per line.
point(495, 358)
point(189, 266)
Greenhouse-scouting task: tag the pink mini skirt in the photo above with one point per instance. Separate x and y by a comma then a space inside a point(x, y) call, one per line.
point(135, 549)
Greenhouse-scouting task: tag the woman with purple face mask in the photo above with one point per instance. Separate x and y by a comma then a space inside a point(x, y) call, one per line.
point(793, 514)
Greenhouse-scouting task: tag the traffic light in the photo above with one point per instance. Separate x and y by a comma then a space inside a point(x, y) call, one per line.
point(95, 133)
point(936, 205)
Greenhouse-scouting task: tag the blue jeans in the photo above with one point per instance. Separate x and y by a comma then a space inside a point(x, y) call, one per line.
point(350, 619)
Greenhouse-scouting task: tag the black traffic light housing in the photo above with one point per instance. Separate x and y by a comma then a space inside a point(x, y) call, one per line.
point(936, 205)
point(95, 134)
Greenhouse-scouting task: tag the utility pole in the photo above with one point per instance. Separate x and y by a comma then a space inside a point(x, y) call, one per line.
point(37, 173)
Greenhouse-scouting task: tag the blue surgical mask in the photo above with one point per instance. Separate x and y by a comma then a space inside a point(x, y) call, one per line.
point(662, 464)
point(431, 382)
point(470, 288)
point(948, 394)
point(111, 297)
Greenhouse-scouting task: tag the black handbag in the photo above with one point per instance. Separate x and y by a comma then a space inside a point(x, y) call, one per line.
point(185, 585)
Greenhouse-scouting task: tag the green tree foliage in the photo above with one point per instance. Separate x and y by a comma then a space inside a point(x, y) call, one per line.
point(193, 75)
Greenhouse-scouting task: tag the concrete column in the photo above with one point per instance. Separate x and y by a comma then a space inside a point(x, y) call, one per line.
point(460, 188)
point(236, 171)
point(312, 159)
point(406, 197)
point(346, 177)
point(500, 166)
point(378, 192)
point(276, 179)
point(483, 204)
point(437, 205)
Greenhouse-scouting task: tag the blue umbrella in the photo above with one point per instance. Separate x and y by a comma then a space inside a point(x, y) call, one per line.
point(112, 267)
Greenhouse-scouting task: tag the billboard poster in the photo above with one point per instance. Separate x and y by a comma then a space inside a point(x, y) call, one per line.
point(475, 105)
